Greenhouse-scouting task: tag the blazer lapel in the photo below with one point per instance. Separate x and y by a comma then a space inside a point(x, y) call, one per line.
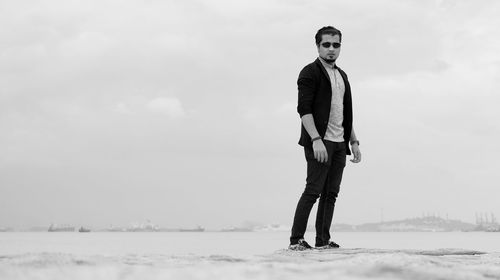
point(323, 69)
point(347, 93)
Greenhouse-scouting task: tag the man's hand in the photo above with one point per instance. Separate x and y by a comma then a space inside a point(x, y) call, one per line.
point(356, 152)
point(320, 153)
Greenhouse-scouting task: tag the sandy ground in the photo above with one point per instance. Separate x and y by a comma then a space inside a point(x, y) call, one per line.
point(282, 264)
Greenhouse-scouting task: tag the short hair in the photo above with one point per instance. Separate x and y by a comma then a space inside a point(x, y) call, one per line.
point(330, 30)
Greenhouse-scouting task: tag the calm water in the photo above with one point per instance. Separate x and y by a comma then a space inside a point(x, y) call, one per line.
point(247, 243)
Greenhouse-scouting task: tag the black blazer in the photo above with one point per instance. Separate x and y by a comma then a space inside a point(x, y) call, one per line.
point(315, 97)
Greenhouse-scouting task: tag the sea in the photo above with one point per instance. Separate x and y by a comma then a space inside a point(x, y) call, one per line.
point(247, 255)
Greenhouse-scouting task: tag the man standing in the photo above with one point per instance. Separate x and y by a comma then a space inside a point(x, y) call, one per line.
point(325, 108)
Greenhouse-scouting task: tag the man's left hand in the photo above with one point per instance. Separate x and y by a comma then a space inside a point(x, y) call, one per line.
point(356, 152)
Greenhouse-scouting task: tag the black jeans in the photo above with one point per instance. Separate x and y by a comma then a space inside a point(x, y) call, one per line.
point(323, 180)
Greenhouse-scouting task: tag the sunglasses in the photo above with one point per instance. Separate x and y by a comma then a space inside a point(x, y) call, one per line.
point(327, 45)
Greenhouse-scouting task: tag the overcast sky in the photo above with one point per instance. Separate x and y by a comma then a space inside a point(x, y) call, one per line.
point(184, 112)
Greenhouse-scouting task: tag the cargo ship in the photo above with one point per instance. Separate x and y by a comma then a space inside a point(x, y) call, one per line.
point(82, 229)
point(61, 228)
point(197, 229)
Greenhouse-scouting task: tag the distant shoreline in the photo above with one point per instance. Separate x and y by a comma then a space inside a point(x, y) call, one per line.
point(425, 224)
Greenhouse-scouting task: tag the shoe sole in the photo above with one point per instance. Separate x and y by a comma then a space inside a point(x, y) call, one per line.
point(326, 248)
point(300, 249)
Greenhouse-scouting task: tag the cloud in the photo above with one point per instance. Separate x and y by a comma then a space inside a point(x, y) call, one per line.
point(122, 108)
point(169, 106)
point(287, 109)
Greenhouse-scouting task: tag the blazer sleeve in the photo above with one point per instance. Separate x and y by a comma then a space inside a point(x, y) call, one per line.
point(307, 86)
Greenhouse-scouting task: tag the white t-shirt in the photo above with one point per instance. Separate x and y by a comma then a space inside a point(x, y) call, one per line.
point(335, 130)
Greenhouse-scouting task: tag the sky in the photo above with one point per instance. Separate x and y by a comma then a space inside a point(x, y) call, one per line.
point(184, 112)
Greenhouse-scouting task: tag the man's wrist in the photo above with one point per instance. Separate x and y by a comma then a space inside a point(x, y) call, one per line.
point(315, 138)
point(354, 142)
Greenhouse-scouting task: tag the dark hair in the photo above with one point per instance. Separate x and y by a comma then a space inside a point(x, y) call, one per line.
point(330, 30)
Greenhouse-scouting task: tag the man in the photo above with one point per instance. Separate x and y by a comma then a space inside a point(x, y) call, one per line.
point(325, 108)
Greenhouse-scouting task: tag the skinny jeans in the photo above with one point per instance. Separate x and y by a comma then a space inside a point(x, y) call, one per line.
point(323, 182)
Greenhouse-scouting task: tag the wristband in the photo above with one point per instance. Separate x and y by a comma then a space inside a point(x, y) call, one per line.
point(315, 138)
point(354, 141)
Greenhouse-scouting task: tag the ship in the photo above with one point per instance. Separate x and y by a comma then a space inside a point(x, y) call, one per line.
point(115, 229)
point(61, 228)
point(197, 229)
point(236, 229)
point(82, 229)
point(145, 227)
point(272, 228)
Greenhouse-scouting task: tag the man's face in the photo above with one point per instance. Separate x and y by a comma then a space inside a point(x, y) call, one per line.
point(326, 48)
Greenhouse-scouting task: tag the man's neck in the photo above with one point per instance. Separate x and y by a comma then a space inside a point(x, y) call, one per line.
point(330, 63)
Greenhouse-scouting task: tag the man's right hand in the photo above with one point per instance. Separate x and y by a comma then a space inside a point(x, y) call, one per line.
point(320, 153)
